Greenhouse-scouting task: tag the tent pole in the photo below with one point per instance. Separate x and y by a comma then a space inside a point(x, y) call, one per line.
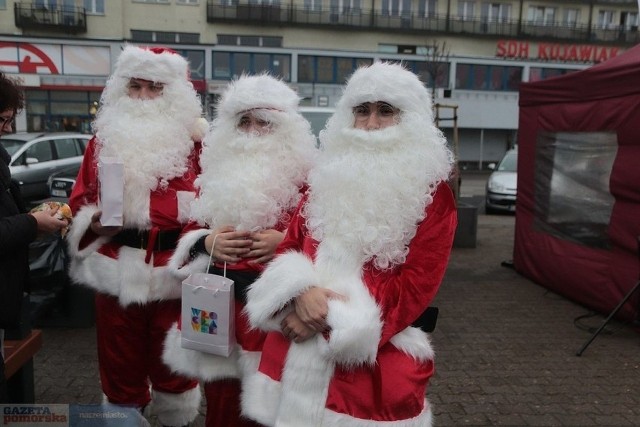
point(613, 313)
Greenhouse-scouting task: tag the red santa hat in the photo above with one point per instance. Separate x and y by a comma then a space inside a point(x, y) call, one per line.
point(253, 92)
point(387, 82)
point(156, 64)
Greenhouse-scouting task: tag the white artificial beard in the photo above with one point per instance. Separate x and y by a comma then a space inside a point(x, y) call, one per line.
point(154, 146)
point(252, 181)
point(370, 189)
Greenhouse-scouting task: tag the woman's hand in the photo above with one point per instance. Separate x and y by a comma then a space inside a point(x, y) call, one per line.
point(48, 222)
point(294, 329)
point(100, 230)
point(229, 246)
point(264, 244)
point(312, 307)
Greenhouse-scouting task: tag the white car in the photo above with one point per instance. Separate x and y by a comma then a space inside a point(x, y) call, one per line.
point(36, 156)
point(502, 184)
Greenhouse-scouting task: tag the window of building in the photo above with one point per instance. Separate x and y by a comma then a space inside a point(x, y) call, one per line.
point(187, 1)
point(495, 12)
point(466, 10)
point(396, 7)
point(168, 37)
point(151, 1)
point(94, 7)
point(571, 17)
point(572, 196)
point(629, 20)
point(427, 8)
point(265, 2)
point(3, 4)
point(541, 15)
point(428, 72)
point(236, 40)
point(196, 62)
point(539, 73)
point(54, 110)
point(606, 19)
point(346, 6)
point(328, 69)
point(229, 65)
point(488, 77)
point(313, 5)
point(46, 4)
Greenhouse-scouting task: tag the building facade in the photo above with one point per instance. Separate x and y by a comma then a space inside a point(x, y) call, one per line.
point(472, 54)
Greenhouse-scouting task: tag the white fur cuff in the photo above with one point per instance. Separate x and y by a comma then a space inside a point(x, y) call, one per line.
point(180, 265)
point(80, 225)
point(287, 276)
point(356, 329)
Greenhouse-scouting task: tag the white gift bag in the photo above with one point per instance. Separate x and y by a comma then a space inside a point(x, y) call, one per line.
point(111, 177)
point(208, 313)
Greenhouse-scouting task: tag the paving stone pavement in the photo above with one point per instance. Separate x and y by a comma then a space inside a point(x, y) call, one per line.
point(505, 351)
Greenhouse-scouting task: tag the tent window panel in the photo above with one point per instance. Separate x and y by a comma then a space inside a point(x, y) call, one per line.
point(573, 199)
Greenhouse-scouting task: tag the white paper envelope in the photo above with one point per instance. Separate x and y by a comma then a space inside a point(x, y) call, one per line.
point(111, 177)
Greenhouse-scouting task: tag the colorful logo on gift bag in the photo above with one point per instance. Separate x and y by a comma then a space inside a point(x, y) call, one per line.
point(204, 321)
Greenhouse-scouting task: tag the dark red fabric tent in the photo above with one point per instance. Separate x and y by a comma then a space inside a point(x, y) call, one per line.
point(578, 209)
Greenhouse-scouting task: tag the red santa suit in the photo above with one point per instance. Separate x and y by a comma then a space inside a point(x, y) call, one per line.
point(137, 298)
point(249, 182)
point(376, 227)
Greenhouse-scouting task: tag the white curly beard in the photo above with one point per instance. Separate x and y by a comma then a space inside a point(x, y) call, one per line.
point(251, 181)
point(370, 188)
point(154, 146)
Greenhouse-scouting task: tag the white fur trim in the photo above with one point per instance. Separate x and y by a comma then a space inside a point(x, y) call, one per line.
point(260, 398)
point(392, 83)
point(261, 91)
point(176, 409)
point(356, 329)
point(286, 276)
point(414, 342)
point(80, 225)
point(179, 264)
point(197, 364)
point(128, 277)
point(356, 325)
point(140, 63)
point(334, 419)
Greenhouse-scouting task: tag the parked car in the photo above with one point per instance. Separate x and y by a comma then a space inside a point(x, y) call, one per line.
point(502, 184)
point(36, 156)
point(61, 183)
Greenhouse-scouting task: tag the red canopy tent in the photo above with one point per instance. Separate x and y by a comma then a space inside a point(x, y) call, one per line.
point(578, 211)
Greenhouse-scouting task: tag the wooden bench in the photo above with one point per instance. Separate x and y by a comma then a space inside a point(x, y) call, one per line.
point(18, 366)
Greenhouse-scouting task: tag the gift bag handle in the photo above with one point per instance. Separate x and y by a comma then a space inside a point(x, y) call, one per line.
point(213, 245)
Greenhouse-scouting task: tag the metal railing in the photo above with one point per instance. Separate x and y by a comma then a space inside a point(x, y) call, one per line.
point(58, 18)
point(295, 15)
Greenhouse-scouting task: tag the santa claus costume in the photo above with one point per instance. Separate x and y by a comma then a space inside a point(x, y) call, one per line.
point(137, 298)
point(250, 182)
point(376, 226)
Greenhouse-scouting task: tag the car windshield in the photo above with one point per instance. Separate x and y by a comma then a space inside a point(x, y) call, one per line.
point(11, 145)
point(509, 163)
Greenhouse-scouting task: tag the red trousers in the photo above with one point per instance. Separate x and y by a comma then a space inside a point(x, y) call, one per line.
point(130, 342)
point(223, 405)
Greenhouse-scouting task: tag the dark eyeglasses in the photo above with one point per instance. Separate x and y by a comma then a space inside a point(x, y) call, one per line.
point(5, 120)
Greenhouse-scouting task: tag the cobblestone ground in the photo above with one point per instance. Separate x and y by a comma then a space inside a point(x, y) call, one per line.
point(505, 351)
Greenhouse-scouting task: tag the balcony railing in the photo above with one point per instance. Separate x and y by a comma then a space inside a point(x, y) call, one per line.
point(71, 20)
point(293, 15)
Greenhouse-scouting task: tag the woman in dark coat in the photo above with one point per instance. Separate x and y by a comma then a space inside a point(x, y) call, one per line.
point(17, 229)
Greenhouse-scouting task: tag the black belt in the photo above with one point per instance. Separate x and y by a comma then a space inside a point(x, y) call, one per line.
point(165, 240)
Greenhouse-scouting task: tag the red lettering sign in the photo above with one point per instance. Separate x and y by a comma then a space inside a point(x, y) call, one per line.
point(512, 49)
